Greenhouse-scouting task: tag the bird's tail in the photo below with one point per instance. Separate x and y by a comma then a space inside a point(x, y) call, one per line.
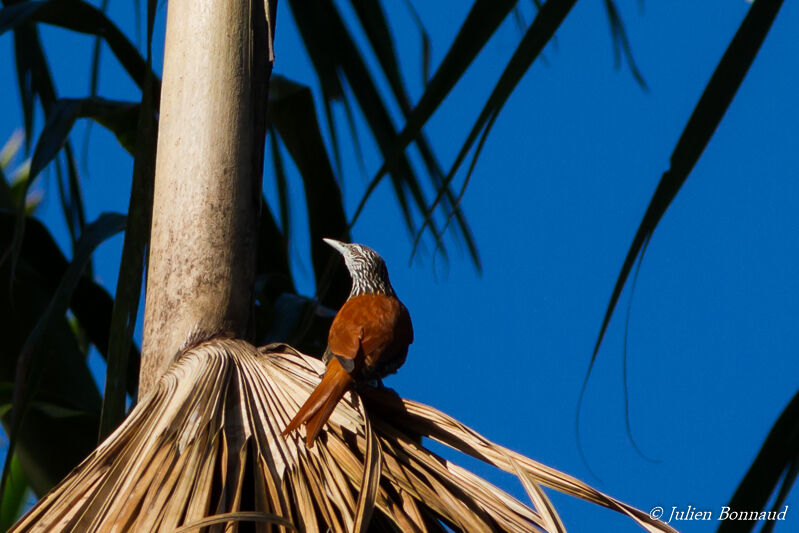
point(322, 401)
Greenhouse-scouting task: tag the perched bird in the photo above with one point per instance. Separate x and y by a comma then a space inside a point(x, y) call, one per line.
point(368, 339)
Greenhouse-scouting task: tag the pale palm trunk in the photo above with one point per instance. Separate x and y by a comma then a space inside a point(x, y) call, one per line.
point(217, 62)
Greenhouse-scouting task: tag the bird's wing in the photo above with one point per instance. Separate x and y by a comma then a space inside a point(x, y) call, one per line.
point(374, 325)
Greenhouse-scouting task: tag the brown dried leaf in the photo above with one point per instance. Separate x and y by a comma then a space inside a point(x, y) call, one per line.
point(204, 451)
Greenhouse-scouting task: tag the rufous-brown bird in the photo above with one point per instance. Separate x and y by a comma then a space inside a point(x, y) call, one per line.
point(368, 339)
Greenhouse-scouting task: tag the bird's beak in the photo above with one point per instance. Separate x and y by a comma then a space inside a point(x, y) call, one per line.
point(338, 245)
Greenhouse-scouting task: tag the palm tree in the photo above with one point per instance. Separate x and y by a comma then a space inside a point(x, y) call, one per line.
point(203, 439)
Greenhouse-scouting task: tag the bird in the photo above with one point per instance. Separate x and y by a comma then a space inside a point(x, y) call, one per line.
point(368, 339)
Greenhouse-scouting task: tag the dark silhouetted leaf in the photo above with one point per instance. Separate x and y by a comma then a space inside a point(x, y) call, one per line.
point(281, 182)
point(94, 78)
point(707, 114)
point(118, 117)
point(331, 50)
point(65, 380)
point(292, 111)
point(425, 41)
point(480, 24)
point(35, 81)
point(546, 22)
point(13, 501)
point(777, 460)
point(6, 193)
point(31, 362)
point(62, 114)
point(622, 43)
point(82, 17)
point(90, 303)
point(33, 74)
point(273, 276)
point(373, 20)
point(328, 40)
point(15, 14)
point(33, 77)
point(70, 196)
point(134, 251)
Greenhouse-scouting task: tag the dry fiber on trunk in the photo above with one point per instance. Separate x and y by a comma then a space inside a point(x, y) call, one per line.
point(206, 442)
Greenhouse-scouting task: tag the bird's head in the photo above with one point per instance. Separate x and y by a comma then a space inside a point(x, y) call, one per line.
point(367, 269)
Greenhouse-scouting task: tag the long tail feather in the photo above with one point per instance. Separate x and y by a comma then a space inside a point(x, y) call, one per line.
point(322, 401)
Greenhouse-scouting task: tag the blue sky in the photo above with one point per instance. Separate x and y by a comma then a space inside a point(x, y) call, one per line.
point(555, 200)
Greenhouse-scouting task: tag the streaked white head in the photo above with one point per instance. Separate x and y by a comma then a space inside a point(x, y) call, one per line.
point(367, 269)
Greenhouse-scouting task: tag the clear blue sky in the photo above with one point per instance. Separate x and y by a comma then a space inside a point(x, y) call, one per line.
point(555, 200)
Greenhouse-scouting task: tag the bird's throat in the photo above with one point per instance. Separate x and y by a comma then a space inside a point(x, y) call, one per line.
point(362, 285)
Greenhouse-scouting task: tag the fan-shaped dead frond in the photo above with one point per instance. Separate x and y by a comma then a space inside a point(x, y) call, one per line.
point(206, 443)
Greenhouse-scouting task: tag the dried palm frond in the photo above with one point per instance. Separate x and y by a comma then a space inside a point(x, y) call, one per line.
point(204, 452)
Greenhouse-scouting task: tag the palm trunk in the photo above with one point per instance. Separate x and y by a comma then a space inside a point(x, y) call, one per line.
point(217, 62)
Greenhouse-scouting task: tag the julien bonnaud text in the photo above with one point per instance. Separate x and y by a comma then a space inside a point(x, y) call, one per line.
point(726, 513)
